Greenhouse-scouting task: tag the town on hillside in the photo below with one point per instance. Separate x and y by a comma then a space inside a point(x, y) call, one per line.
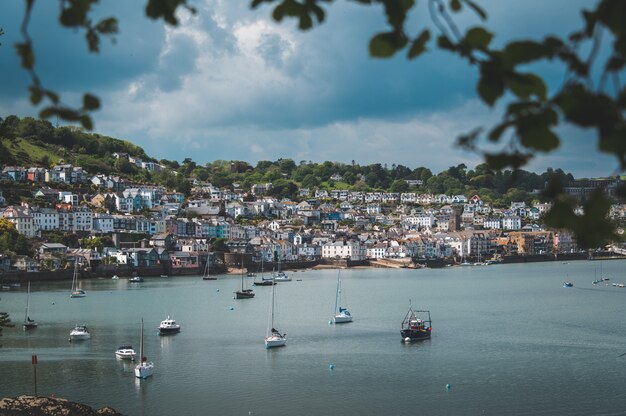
point(109, 226)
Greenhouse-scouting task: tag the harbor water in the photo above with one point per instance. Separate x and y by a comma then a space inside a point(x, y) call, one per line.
point(507, 339)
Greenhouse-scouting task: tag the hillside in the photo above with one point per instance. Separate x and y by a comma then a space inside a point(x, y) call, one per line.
point(29, 142)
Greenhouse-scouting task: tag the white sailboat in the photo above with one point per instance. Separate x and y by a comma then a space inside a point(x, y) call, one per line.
point(28, 323)
point(76, 292)
point(342, 315)
point(145, 368)
point(281, 276)
point(274, 338)
point(207, 273)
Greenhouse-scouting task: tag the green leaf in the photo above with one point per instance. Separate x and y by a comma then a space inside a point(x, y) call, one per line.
point(86, 121)
point(478, 38)
point(90, 102)
point(538, 137)
point(444, 43)
point(496, 132)
point(53, 96)
point(36, 95)
point(500, 161)
point(523, 52)
point(525, 85)
point(479, 11)
point(419, 44)
point(25, 52)
point(490, 89)
point(384, 45)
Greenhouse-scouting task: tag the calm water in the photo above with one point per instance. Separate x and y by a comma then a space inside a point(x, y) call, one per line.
point(509, 339)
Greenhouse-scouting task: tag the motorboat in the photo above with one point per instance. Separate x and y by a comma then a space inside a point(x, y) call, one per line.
point(115, 277)
point(145, 368)
point(136, 279)
point(416, 325)
point(568, 284)
point(79, 333)
point(168, 326)
point(125, 352)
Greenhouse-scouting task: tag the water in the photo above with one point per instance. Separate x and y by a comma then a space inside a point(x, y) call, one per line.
point(509, 339)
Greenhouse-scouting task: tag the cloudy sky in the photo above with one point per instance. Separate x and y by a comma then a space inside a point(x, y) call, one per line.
point(229, 83)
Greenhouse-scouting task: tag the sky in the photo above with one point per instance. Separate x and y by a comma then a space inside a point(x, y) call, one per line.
point(230, 83)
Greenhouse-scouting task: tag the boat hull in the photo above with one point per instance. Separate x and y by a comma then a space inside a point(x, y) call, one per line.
point(78, 294)
point(342, 319)
point(30, 325)
point(209, 278)
point(275, 341)
point(415, 334)
point(264, 283)
point(79, 336)
point(122, 355)
point(144, 370)
point(244, 294)
point(169, 331)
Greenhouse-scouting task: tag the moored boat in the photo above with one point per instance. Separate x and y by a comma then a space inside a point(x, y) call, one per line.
point(145, 368)
point(28, 323)
point(136, 279)
point(125, 352)
point(79, 333)
point(568, 284)
point(416, 325)
point(274, 338)
point(77, 291)
point(342, 315)
point(168, 326)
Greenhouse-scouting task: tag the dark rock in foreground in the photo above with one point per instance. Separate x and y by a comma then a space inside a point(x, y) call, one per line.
point(47, 406)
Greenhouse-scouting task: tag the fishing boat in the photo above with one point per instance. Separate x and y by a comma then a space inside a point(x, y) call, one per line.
point(243, 293)
point(79, 333)
point(168, 326)
point(28, 323)
point(207, 273)
point(416, 325)
point(76, 292)
point(125, 352)
point(145, 368)
point(274, 338)
point(342, 315)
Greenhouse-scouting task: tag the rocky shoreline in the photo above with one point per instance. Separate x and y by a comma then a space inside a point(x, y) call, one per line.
point(49, 406)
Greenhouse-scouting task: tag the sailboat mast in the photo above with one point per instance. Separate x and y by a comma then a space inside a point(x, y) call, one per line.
point(141, 344)
point(337, 294)
point(27, 302)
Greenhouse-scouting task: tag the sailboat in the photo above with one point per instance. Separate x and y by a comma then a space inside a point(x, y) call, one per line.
point(76, 292)
point(28, 323)
point(281, 276)
point(243, 293)
point(342, 315)
point(145, 368)
point(264, 281)
point(206, 275)
point(274, 338)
